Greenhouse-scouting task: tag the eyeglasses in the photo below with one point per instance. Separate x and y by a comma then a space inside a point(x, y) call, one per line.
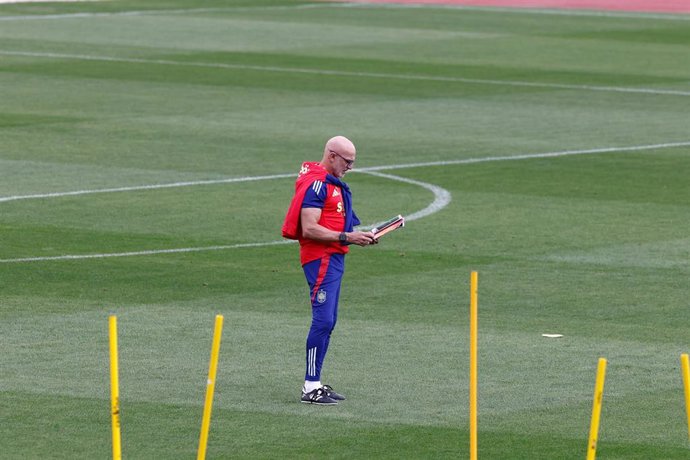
point(349, 163)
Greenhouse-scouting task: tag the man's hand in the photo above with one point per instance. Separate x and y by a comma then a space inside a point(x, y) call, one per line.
point(361, 238)
point(312, 230)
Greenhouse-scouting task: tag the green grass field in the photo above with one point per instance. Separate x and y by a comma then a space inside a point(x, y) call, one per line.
point(563, 142)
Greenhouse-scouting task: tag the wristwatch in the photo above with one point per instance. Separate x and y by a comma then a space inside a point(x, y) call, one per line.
point(342, 237)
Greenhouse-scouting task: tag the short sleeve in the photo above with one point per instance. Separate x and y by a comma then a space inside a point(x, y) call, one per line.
point(315, 196)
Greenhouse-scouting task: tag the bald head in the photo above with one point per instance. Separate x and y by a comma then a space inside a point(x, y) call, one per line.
point(340, 144)
point(338, 155)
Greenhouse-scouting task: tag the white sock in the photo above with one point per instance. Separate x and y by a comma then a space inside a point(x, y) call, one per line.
point(311, 386)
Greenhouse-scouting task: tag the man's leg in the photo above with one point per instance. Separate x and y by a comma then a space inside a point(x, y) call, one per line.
point(335, 319)
point(324, 277)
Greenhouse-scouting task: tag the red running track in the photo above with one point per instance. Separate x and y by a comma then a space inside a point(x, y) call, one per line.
point(648, 6)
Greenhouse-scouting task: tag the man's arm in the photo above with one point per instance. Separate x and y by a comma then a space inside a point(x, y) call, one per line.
point(309, 218)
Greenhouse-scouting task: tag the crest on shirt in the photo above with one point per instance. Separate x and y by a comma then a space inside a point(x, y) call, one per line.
point(321, 296)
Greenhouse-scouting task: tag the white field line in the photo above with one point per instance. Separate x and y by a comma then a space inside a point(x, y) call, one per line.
point(341, 73)
point(528, 156)
point(161, 12)
point(441, 200)
point(524, 10)
point(370, 169)
point(441, 196)
point(143, 187)
point(540, 11)
point(146, 253)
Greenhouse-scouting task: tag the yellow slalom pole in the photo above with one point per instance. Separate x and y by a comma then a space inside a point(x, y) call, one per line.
point(473, 366)
point(114, 388)
point(685, 368)
point(596, 410)
point(210, 386)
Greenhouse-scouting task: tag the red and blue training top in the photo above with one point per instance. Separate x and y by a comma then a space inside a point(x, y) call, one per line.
point(316, 188)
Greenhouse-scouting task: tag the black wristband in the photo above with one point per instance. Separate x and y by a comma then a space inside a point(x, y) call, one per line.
point(342, 237)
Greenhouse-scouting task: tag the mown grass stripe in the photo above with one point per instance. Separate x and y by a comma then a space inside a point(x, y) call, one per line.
point(482, 9)
point(342, 73)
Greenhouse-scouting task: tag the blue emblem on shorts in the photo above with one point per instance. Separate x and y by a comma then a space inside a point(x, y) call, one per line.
point(321, 296)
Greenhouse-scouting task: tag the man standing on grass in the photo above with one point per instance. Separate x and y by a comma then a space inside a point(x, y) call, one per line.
point(320, 216)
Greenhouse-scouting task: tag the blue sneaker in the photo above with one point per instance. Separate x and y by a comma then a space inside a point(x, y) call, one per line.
point(318, 396)
point(332, 394)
